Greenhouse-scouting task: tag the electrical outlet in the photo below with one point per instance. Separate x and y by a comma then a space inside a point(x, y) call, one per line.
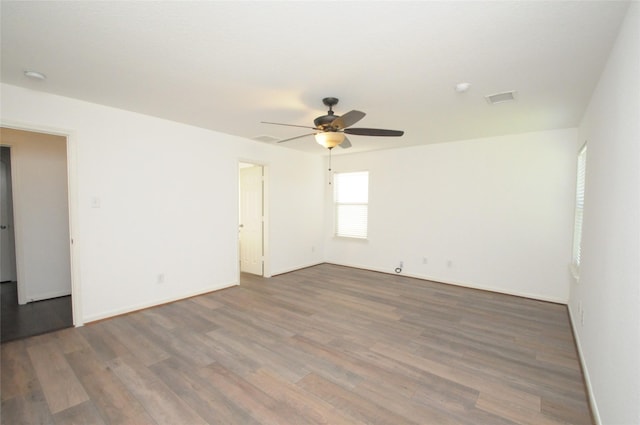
point(160, 279)
point(449, 263)
point(424, 260)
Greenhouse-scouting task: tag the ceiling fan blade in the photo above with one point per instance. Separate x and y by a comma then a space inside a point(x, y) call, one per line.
point(346, 143)
point(288, 125)
point(297, 137)
point(348, 119)
point(373, 132)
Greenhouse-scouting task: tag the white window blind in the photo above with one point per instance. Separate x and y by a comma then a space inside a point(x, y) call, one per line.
point(351, 194)
point(577, 224)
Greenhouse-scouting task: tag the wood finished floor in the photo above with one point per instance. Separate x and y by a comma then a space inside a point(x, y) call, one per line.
point(323, 345)
point(35, 318)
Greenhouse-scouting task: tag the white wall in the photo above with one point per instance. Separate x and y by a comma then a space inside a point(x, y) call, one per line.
point(500, 209)
point(609, 286)
point(297, 191)
point(157, 197)
point(39, 176)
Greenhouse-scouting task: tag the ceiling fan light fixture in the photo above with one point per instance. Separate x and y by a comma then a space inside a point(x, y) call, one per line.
point(329, 139)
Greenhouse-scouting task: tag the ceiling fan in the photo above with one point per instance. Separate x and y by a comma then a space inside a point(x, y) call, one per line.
point(330, 129)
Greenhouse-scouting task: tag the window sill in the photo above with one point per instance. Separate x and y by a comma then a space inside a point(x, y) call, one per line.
point(350, 238)
point(575, 272)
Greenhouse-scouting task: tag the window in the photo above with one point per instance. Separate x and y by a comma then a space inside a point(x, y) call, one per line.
point(351, 201)
point(577, 224)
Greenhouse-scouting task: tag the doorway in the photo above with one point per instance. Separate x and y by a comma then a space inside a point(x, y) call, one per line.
point(251, 227)
point(36, 257)
point(7, 238)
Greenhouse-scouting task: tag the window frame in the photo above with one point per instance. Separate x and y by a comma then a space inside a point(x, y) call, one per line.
point(337, 181)
point(578, 219)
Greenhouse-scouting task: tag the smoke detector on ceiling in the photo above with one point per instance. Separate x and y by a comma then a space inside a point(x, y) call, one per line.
point(35, 75)
point(506, 96)
point(462, 87)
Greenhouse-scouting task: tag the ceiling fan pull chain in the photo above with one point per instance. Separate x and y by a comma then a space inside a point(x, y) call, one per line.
point(330, 149)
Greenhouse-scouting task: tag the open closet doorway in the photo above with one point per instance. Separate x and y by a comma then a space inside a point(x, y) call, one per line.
point(252, 228)
point(36, 294)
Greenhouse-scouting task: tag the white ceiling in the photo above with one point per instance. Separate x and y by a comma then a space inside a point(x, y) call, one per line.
point(228, 65)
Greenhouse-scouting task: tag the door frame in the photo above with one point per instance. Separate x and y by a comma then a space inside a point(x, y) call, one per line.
point(266, 265)
point(72, 199)
point(10, 234)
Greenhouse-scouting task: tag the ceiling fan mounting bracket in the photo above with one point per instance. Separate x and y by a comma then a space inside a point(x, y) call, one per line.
point(330, 101)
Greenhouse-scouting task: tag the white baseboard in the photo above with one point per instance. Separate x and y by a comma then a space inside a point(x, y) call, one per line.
point(48, 295)
point(293, 269)
point(585, 371)
point(154, 303)
point(463, 284)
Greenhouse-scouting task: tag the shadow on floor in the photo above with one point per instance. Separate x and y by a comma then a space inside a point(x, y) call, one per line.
point(21, 321)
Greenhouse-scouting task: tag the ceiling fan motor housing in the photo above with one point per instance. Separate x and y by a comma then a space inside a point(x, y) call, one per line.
point(324, 121)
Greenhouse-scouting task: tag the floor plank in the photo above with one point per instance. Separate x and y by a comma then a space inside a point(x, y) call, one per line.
point(81, 414)
point(201, 394)
point(162, 404)
point(28, 409)
point(350, 402)
point(60, 385)
point(308, 408)
point(18, 374)
point(111, 398)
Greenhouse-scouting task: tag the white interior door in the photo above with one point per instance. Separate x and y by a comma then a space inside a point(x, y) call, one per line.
point(251, 220)
point(7, 242)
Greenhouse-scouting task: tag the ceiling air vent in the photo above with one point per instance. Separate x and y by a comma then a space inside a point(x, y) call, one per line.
point(501, 97)
point(266, 139)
